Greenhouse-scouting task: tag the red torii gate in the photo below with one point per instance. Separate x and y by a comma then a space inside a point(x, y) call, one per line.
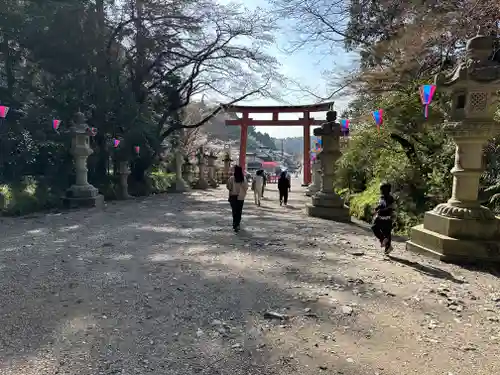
point(306, 121)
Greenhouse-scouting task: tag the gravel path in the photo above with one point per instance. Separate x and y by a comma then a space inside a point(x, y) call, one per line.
point(162, 286)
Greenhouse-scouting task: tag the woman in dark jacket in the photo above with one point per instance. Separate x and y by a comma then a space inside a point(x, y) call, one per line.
point(237, 186)
point(284, 187)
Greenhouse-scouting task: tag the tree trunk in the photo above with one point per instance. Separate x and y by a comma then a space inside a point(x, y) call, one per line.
point(416, 184)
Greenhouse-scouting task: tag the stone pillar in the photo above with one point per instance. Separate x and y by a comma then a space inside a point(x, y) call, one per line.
point(212, 180)
point(327, 204)
point(316, 178)
point(202, 182)
point(123, 172)
point(187, 172)
point(227, 168)
point(461, 230)
point(218, 175)
point(81, 194)
point(180, 184)
point(307, 150)
point(344, 143)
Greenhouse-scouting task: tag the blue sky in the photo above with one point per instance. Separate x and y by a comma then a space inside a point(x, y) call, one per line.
point(306, 67)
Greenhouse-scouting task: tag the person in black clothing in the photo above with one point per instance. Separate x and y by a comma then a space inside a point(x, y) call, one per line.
point(383, 219)
point(284, 187)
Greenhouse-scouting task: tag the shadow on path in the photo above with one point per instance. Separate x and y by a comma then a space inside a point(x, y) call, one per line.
point(427, 270)
point(137, 287)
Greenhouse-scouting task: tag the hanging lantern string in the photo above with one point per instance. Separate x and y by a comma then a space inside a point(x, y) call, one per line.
point(426, 95)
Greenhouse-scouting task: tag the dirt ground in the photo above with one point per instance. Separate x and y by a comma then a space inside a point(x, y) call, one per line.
point(163, 286)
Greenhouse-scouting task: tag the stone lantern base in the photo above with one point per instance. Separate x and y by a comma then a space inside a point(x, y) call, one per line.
point(83, 197)
point(328, 206)
point(213, 183)
point(462, 241)
point(312, 189)
point(201, 184)
point(181, 186)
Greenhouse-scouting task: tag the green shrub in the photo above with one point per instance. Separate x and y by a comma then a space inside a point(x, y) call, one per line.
point(405, 220)
point(154, 183)
point(27, 197)
point(109, 187)
point(5, 197)
point(362, 204)
point(161, 181)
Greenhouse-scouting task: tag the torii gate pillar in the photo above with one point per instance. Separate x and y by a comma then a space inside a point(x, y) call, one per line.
point(306, 170)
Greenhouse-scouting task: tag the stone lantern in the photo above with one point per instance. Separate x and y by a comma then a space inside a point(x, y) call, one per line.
point(81, 194)
point(212, 177)
point(123, 173)
point(327, 204)
point(461, 230)
point(227, 166)
point(180, 184)
point(202, 182)
point(316, 178)
point(187, 171)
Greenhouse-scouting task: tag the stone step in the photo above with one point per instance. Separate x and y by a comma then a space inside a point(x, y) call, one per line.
point(446, 248)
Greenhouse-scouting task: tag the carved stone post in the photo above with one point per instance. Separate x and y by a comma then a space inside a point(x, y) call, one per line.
point(187, 172)
point(218, 175)
point(344, 143)
point(81, 194)
point(123, 172)
point(316, 178)
point(327, 204)
point(212, 181)
point(461, 230)
point(180, 184)
point(202, 182)
point(227, 167)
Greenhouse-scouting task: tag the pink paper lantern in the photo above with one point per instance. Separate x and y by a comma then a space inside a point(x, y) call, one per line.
point(56, 124)
point(3, 111)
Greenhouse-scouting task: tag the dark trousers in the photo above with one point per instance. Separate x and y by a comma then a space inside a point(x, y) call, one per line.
point(382, 229)
point(237, 209)
point(284, 196)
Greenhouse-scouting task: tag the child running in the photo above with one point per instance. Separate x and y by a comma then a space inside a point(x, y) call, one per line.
point(383, 220)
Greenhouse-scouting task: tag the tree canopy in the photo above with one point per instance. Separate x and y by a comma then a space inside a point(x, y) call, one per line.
point(131, 67)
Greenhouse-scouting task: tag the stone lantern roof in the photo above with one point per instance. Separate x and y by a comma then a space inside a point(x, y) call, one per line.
point(478, 67)
point(480, 44)
point(474, 82)
point(79, 124)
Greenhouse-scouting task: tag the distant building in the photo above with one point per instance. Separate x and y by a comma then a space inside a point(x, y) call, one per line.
point(251, 156)
point(253, 166)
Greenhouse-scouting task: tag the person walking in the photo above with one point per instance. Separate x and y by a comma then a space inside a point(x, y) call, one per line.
point(237, 185)
point(258, 186)
point(384, 216)
point(284, 187)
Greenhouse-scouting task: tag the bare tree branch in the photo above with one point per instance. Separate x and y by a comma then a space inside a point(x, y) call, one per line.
point(214, 113)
